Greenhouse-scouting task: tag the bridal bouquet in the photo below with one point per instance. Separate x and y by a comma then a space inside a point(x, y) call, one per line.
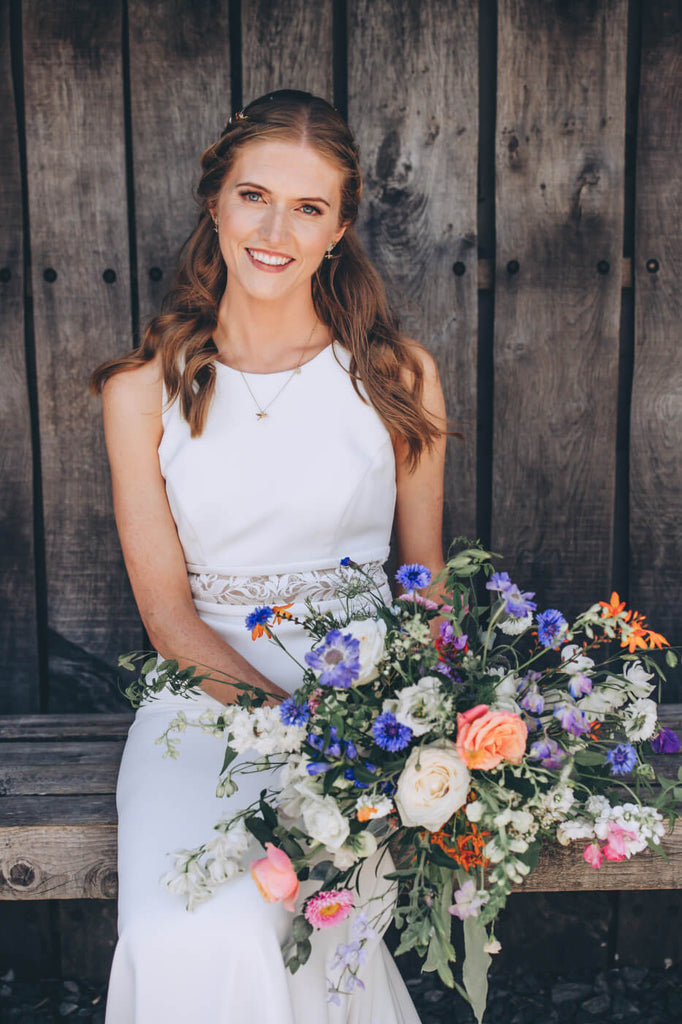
point(458, 733)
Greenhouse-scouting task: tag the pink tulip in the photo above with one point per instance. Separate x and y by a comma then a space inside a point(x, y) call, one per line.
point(275, 877)
point(593, 855)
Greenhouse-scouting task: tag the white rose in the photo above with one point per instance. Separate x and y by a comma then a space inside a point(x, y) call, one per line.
point(324, 822)
point(419, 706)
point(371, 633)
point(433, 785)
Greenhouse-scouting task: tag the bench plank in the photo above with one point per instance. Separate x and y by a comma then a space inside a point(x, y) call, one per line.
point(67, 862)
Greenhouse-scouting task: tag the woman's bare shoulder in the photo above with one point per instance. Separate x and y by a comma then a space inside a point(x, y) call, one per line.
point(137, 390)
point(423, 357)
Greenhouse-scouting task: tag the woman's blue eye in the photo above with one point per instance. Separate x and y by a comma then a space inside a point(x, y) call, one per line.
point(247, 195)
point(307, 206)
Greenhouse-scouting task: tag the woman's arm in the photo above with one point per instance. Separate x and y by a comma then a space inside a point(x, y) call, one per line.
point(419, 500)
point(151, 547)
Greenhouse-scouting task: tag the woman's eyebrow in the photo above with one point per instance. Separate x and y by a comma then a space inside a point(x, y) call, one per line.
point(301, 199)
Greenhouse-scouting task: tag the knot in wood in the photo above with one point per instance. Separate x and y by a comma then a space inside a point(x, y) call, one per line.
point(21, 875)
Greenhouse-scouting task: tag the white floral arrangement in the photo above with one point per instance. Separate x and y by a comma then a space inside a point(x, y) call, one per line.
point(459, 733)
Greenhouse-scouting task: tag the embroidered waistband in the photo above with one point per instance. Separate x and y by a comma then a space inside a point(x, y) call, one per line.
point(281, 588)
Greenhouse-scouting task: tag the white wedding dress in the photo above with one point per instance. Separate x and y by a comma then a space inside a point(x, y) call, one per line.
point(265, 510)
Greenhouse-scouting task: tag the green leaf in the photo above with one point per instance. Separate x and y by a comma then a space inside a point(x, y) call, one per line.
point(589, 757)
point(671, 659)
point(149, 666)
point(259, 829)
point(301, 928)
point(230, 755)
point(476, 964)
point(269, 816)
point(441, 858)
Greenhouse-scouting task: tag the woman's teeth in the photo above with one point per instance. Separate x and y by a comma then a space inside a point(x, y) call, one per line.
point(273, 261)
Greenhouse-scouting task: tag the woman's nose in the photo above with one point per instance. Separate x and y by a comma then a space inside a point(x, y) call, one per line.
point(274, 226)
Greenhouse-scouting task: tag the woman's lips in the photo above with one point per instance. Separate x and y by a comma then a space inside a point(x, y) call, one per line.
point(272, 268)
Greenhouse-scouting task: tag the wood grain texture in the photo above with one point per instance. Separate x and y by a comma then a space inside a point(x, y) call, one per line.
point(86, 809)
point(656, 412)
point(19, 690)
point(559, 174)
point(78, 218)
point(60, 727)
point(180, 100)
point(413, 105)
point(65, 863)
point(286, 44)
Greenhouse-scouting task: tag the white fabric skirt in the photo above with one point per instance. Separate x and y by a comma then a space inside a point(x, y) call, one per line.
point(221, 963)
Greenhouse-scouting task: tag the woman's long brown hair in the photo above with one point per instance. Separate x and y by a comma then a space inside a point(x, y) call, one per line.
point(347, 293)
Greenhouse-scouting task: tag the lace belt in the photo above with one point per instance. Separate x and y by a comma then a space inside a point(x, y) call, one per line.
point(281, 588)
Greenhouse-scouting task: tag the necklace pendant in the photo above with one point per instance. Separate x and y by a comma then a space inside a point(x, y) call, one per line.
point(261, 415)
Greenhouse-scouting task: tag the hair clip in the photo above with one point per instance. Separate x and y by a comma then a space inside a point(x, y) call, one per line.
point(234, 119)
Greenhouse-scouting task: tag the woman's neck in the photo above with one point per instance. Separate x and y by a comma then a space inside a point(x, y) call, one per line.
point(264, 337)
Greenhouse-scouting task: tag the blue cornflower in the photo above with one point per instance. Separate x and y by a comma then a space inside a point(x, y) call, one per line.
point(551, 627)
point(337, 659)
point(292, 713)
point(499, 581)
point(518, 603)
point(414, 576)
point(572, 719)
point(622, 759)
point(345, 561)
point(258, 618)
point(389, 733)
point(548, 753)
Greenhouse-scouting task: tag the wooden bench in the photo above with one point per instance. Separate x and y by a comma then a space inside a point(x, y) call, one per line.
point(58, 816)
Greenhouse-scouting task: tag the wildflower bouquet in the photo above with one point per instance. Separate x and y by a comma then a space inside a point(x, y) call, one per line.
point(460, 733)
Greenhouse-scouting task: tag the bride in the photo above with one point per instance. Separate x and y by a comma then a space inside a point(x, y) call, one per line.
point(273, 422)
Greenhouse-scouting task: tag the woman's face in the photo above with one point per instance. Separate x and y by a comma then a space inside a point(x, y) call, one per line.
point(278, 210)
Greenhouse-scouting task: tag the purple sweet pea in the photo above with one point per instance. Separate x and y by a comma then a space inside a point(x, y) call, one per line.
point(572, 719)
point(666, 742)
point(337, 659)
point(548, 753)
point(533, 701)
point(579, 684)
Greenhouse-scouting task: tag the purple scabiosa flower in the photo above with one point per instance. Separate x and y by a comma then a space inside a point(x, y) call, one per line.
point(533, 701)
point(548, 753)
point(499, 581)
point(292, 713)
point(666, 742)
point(622, 759)
point(389, 733)
point(518, 603)
point(258, 618)
point(337, 659)
point(572, 719)
point(579, 684)
point(414, 576)
point(552, 627)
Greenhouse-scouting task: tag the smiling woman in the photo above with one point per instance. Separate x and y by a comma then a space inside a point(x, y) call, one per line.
point(273, 422)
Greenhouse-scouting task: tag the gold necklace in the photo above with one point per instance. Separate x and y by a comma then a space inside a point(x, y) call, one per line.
point(263, 410)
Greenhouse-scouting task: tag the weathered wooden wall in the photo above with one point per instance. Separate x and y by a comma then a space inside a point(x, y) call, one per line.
point(521, 164)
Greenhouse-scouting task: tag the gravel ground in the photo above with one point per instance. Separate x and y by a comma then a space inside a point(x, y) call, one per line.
point(631, 995)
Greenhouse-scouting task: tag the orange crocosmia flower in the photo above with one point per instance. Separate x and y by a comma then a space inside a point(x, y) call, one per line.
point(656, 639)
point(280, 612)
point(613, 608)
point(365, 813)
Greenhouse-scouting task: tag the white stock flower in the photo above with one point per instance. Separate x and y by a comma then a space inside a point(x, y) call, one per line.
point(638, 679)
point(371, 634)
point(558, 801)
point(363, 843)
point(432, 785)
point(574, 828)
point(640, 719)
point(419, 706)
point(324, 822)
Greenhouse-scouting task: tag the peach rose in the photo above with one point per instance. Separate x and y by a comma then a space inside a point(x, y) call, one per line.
point(485, 738)
point(275, 877)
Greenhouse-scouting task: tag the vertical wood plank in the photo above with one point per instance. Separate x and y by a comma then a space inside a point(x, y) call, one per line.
point(78, 219)
point(180, 100)
point(560, 155)
point(19, 687)
point(656, 415)
point(286, 44)
point(413, 104)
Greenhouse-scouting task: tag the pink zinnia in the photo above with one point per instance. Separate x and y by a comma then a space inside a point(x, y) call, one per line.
point(593, 855)
point(326, 909)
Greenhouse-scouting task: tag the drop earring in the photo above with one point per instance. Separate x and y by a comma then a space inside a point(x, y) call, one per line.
point(215, 225)
point(328, 254)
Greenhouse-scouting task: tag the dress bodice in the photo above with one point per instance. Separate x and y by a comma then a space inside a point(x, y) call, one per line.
point(309, 484)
